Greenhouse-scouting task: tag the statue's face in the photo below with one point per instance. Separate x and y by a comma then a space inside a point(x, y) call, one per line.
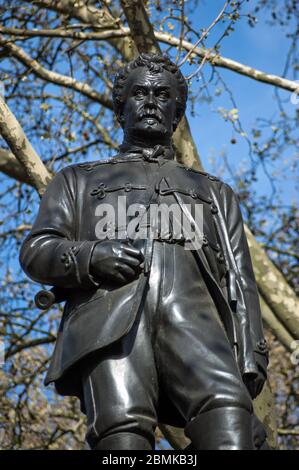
point(150, 107)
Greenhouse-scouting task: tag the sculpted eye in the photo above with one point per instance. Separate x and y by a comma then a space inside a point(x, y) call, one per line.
point(163, 94)
point(139, 92)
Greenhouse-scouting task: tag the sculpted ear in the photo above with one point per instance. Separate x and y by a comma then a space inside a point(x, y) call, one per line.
point(118, 107)
point(120, 115)
point(121, 119)
point(178, 116)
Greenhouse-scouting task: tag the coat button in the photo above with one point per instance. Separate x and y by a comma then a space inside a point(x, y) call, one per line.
point(214, 208)
point(101, 193)
point(262, 345)
point(205, 241)
point(193, 193)
point(220, 257)
point(128, 187)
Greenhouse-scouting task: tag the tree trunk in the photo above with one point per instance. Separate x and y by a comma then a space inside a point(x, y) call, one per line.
point(13, 134)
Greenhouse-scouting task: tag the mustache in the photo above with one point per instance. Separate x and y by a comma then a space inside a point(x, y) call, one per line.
point(151, 113)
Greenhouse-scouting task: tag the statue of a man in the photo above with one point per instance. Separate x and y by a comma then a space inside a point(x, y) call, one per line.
point(152, 330)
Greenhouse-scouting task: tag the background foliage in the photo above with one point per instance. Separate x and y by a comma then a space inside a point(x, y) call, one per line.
point(59, 87)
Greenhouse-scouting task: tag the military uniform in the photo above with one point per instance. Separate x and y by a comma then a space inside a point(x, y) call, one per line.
point(172, 344)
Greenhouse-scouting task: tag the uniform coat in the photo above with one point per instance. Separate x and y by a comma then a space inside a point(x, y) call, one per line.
point(58, 250)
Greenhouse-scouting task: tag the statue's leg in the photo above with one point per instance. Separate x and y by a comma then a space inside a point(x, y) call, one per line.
point(197, 366)
point(224, 428)
point(120, 393)
point(124, 441)
point(258, 430)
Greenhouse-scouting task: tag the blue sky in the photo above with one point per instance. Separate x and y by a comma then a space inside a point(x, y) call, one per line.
point(263, 47)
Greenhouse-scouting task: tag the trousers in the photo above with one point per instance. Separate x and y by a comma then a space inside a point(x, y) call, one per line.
point(175, 361)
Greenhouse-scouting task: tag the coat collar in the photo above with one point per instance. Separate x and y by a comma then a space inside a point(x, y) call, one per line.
point(146, 153)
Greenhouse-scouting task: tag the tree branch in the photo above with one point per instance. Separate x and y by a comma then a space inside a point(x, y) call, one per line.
point(288, 432)
point(215, 59)
point(30, 344)
point(275, 326)
point(54, 77)
point(279, 251)
point(92, 16)
point(205, 33)
point(224, 62)
point(141, 28)
point(16, 232)
point(13, 134)
point(79, 9)
point(65, 33)
point(279, 296)
point(11, 167)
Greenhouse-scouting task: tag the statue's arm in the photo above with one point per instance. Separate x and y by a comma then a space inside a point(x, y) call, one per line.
point(50, 253)
point(242, 257)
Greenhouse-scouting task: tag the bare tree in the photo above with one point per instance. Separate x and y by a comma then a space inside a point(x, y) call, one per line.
point(57, 61)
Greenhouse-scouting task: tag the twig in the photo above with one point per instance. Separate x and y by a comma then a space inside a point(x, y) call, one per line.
point(182, 31)
point(205, 33)
point(54, 77)
point(288, 432)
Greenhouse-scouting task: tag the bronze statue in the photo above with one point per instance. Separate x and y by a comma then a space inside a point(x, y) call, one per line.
point(152, 331)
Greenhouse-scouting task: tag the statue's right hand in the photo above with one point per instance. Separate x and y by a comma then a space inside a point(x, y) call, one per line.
point(115, 260)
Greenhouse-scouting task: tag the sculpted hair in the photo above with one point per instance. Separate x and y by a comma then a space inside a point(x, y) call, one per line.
point(155, 63)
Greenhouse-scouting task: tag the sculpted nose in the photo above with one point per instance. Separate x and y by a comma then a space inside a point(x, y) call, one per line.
point(151, 100)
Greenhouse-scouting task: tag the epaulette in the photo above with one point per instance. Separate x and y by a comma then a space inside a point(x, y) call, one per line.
point(203, 173)
point(89, 166)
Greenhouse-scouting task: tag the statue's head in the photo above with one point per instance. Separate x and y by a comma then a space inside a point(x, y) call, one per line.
point(149, 96)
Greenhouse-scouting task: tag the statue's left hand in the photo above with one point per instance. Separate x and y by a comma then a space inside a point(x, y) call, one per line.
point(255, 384)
